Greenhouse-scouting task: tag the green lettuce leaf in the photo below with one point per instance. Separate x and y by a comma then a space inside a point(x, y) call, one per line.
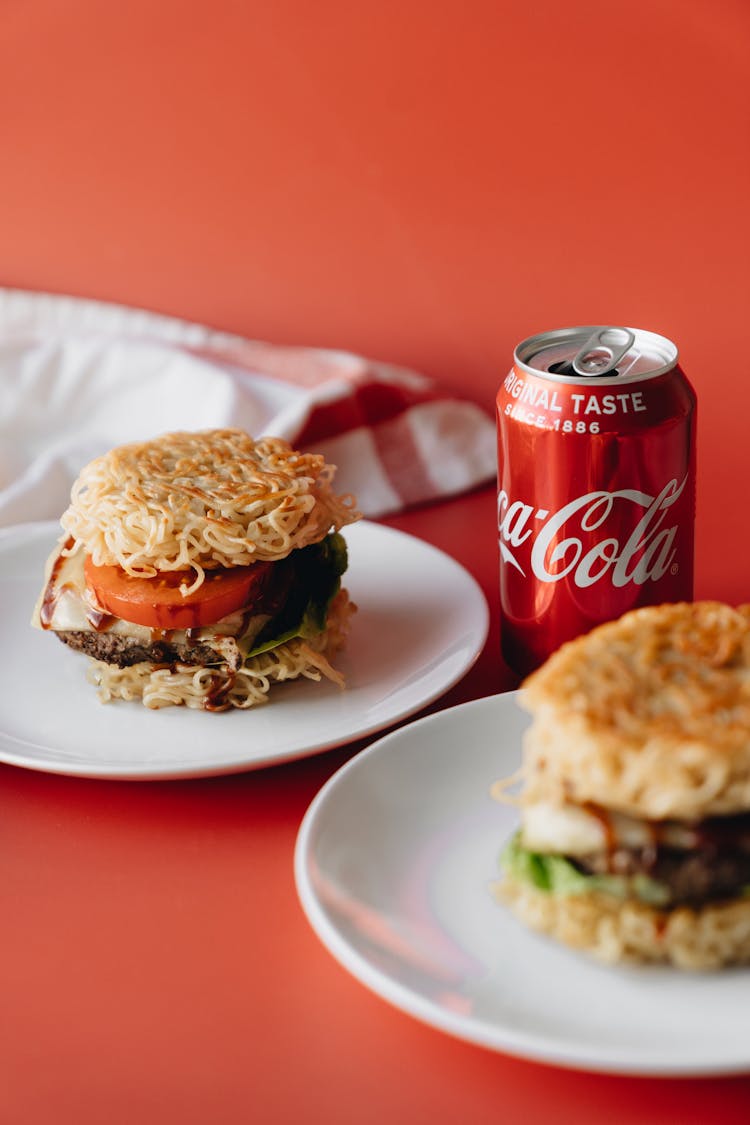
point(317, 580)
point(556, 875)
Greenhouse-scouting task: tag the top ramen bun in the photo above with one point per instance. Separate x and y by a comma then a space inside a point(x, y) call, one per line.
point(635, 808)
point(201, 568)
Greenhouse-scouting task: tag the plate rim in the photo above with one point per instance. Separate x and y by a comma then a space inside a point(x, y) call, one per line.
point(13, 535)
point(483, 1033)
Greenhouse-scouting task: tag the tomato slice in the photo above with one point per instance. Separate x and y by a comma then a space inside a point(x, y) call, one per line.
point(158, 604)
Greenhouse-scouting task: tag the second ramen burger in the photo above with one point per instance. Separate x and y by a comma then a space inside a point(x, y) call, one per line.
point(201, 569)
point(634, 842)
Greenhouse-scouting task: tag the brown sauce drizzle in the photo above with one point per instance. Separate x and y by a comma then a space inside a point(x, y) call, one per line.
point(605, 821)
point(660, 925)
point(99, 620)
point(611, 843)
point(712, 834)
point(51, 595)
point(218, 691)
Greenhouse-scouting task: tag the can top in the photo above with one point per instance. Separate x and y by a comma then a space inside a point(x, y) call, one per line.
point(605, 353)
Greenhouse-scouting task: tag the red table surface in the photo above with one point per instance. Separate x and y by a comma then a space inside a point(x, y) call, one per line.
point(157, 966)
point(427, 184)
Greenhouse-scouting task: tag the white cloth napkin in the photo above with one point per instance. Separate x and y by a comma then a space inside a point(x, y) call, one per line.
point(78, 377)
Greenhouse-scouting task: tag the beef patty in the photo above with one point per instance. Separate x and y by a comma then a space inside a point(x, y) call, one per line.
point(693, 877)
point(126, 651)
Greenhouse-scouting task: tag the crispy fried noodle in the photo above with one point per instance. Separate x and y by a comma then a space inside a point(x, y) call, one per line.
point(202, 500)
point(613, 931)
point(218, 688)
point(634, 834)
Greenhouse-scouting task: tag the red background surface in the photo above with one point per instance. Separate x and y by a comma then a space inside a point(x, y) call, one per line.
point(426, 183)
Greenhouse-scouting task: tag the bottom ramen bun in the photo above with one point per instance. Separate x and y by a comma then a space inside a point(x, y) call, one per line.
point(201, 569)
point(634, 841)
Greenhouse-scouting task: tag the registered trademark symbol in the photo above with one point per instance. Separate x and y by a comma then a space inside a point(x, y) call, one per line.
point(674, 568)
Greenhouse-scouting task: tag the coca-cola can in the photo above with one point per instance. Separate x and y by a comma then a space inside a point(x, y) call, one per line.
point(596, 484)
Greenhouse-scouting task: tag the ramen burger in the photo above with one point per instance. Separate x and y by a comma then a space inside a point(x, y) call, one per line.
point(634, 841)
point(201, 569)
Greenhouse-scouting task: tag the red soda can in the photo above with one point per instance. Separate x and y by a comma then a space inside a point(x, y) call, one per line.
point(596, 484)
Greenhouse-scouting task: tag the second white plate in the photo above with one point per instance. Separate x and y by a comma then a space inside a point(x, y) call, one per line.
point(421, 623)
point(393, 864)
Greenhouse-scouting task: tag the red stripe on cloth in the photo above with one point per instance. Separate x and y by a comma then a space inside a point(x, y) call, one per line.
point(367, 405)
point(303, 367)
point(400, 459)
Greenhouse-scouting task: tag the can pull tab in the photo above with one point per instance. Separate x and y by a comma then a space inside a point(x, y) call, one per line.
point(603, 351)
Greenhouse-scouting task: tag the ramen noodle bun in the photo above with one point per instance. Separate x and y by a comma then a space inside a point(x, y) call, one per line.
point(634, 841)
point(201, 569)
point(209, 499)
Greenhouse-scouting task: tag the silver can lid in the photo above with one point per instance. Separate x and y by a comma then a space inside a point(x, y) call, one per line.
point(604, 352)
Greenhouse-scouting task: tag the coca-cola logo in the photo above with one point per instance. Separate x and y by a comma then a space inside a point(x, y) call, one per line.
point(558, 548)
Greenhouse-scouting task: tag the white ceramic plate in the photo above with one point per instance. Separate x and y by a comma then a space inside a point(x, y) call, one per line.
point(422, 621)
point(393, 865)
